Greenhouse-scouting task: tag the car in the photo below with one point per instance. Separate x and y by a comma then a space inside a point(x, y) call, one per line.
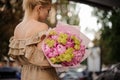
point(9, 73)
point(74, 74)
point(113, 73)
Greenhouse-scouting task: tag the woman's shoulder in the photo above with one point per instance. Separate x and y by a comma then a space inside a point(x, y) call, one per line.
point(30, 29)
point(33, 24)
point(40, 25)
point(36, 26)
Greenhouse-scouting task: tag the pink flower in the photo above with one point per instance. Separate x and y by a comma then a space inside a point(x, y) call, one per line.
point(67, 47)
point(82, 49)
point(46, 49)
point(69, 44)
point(77, 53)
point(55, 52)
point(54, 37)
point(61, 49)
point(52, 53)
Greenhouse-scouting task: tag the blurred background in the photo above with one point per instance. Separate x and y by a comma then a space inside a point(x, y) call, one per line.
point(98, 20)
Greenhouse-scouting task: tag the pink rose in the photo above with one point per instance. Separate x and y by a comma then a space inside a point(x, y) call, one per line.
point(52, 53)
point(82, 49)
point(54, 37)
point(69, 44)
point(46, 49)
point(55, 52)
point(61, 49)
point(78, 55)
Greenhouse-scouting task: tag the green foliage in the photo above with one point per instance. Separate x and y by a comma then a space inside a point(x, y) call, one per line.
point(110, 37)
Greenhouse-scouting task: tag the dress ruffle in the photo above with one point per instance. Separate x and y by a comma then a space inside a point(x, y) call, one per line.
point(34, 64)
point(28, 48)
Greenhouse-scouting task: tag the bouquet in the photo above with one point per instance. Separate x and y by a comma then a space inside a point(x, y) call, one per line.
point(63, 46)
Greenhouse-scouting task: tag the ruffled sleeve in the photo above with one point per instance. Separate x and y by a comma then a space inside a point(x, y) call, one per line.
point(26, 51)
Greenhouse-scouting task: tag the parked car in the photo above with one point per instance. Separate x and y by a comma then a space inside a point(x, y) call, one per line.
point(73, 74)
point(9, 73)
point(112, 73)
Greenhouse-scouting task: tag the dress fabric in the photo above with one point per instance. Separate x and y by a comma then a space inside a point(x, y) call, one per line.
point(34, 64)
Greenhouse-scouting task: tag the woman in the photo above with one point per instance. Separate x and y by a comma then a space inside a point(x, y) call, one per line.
point(25, 45)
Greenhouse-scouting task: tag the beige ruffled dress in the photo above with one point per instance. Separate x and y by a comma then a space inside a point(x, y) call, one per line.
point(34, 64)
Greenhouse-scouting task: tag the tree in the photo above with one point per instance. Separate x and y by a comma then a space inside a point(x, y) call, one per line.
point(110, 37)
point(10, 15)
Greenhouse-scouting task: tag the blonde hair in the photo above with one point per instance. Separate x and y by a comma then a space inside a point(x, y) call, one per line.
point(30, 4)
